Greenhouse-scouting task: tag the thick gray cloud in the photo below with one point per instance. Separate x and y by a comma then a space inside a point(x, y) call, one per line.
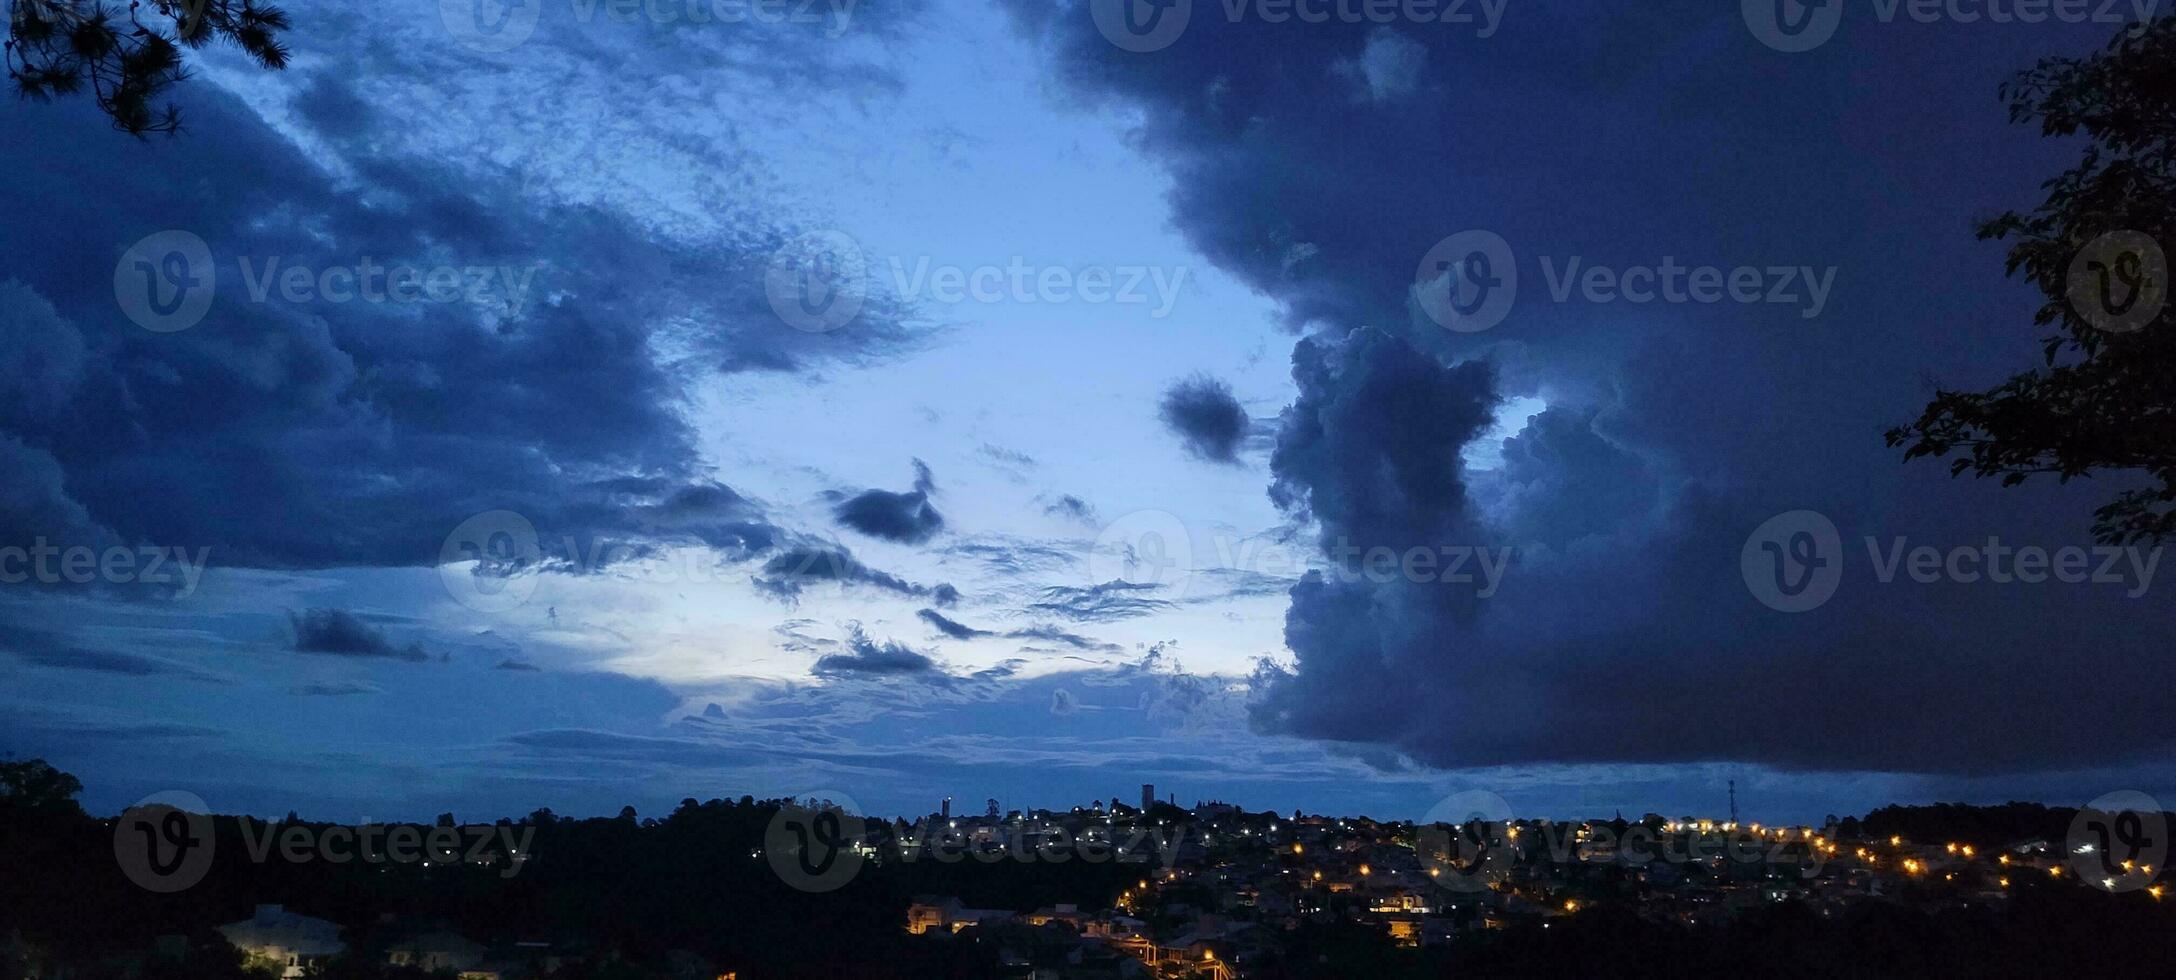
point(1205, 416)
point(335, 425)
point(1110, 601)
point(789, 571)
point(342, 633)
point(868, 657)
point(1071, 508)
point(1053, 634)
point(904, 517)
point(335, 689)
point(1622, 629)
point(1043, 633)
point(951, 627)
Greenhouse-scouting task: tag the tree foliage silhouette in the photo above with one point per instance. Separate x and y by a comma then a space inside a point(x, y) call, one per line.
point(34, 784)
point(2102, 400)
point(128, 57)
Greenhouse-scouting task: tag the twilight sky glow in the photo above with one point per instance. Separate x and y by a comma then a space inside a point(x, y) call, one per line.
point(1159, 300)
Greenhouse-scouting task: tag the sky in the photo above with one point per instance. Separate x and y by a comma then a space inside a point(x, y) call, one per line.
point(894, 401)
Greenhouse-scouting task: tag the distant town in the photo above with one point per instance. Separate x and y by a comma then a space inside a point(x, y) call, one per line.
point(1114, 889)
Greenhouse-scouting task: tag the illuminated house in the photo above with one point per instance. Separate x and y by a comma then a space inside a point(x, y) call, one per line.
point(286, 942)
point(929, 913)
point(435, 951)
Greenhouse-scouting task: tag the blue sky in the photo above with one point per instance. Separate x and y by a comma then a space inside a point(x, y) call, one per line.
point(680, 450)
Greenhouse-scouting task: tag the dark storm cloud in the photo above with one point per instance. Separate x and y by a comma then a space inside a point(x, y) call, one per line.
point(865, 657)
point(1623, 630)
point(314, 432)
point(793, 569)
point(705, 511)
point(903, 517)
point(1071, 508)
point(1565, 481)
point(342, 633)
point(1014, 556)
point(1894, 677)
point(337, 689)
point(1206, 417)
point(1052, 634)
point(951, 627)
point(1048, 634)
point(1110, 601)
point(1370, 451)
